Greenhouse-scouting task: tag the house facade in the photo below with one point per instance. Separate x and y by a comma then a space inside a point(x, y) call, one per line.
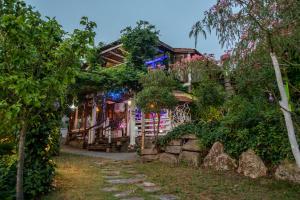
point(111, 121)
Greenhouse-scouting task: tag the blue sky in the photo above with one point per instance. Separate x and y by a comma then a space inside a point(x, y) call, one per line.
point(173, 18)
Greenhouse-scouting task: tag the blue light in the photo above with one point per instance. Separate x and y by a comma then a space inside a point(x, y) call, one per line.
point(156, 60)
point(115, 95)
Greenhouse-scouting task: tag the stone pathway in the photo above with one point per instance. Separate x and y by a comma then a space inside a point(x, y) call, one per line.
point(122, 180)
point(125, 183)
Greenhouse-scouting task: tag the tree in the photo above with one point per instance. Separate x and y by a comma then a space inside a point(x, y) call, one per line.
point(141, 43)
point(156, 95)
point(252, 23)
point(38, 62)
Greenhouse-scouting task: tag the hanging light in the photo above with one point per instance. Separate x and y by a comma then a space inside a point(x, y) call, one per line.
point(129, 102)
point(73, 107)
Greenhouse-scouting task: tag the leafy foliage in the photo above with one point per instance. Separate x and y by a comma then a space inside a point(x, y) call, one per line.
point(157, 92)
point(38, 62)
point(141, 43)
point(106, 79)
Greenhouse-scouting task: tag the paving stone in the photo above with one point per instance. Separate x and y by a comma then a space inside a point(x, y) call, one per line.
point(126, 181)
point(140, 176)
point(123, 194)
point(152, 189)
point(166, 197)
point(131, 172)
point(148, 184)
point(110, 189)
point(112, 177)
point(112, 173)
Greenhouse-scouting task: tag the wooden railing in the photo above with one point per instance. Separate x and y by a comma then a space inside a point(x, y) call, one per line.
point(165, 126)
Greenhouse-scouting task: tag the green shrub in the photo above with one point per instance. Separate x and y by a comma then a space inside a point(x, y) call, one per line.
point(8, 169)
point(252, 125)
point(42, 142)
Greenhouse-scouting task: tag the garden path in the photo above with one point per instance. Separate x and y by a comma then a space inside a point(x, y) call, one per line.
point(111, 156)
point(122, 181)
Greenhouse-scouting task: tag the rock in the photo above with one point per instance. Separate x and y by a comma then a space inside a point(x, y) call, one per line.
point(189, 136)
point(175, 142)
point(251, 165)
point(173, 149)
point(216, 149)
point(218, 160)
point(191, 145)
point(192, 158)
point(152, 151)
point(224, 163)
point(111, 173)
point(125, 181)
point(168, 158)
point(110, 189)
point(288, 171)
point(151, 189)
point(149, 158)
point(112, 177)
point(148, 184)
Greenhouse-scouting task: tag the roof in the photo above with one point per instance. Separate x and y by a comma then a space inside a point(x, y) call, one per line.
point(115, 53)
point(186, 50)
point(183, 96)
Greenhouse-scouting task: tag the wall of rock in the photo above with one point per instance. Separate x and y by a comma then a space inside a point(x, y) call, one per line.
point(187, 150)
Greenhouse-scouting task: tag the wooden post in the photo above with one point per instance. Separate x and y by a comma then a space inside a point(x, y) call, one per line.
point(75, 125)
point(94, 121)
point(143, 131)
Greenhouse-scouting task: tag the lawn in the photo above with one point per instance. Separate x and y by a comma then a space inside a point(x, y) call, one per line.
point(80, 177)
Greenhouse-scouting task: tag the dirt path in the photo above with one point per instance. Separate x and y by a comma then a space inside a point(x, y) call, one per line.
point(111, 156)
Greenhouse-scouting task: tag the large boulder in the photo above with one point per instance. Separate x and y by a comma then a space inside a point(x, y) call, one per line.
point(152, 151)
point(218, 160)
point(176, 142)
point(251, 165)
point(173, 149)
point(149, 158)
point(191, 145)
point(168, 158)
point(288, 171)
point(191, 158)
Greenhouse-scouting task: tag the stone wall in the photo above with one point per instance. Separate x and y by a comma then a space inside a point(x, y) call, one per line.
point(187, 150)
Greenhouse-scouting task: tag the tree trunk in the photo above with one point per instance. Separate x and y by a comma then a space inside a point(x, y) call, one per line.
point(286, 110)
point(20, 167)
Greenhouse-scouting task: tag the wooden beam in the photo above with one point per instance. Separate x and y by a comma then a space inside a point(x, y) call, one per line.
point(112, 60)
point(115, 54)
point(110, 49)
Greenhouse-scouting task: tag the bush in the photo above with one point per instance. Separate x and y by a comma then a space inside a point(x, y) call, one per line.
point(42, 142)
point(8, 167)
point(252, 125)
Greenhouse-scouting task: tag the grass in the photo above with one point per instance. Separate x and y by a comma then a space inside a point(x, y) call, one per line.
point(79, 177)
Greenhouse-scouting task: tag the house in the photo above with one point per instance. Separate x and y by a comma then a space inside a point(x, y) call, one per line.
point(110, 121)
